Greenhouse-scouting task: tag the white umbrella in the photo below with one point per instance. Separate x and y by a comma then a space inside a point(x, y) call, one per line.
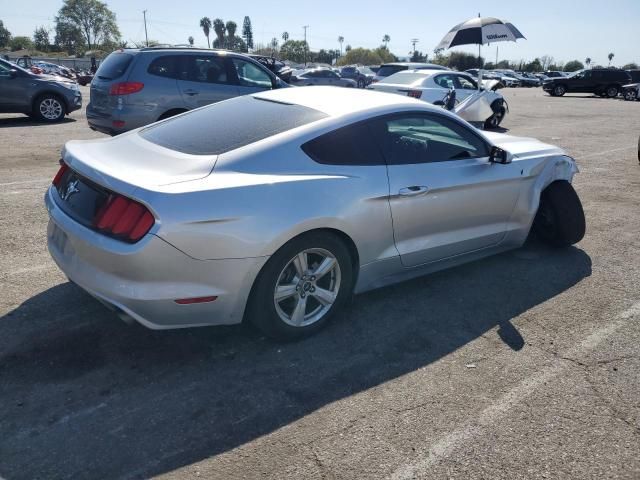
point(479, 31)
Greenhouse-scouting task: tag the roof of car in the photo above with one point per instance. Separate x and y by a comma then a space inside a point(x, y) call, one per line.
point(335, 101)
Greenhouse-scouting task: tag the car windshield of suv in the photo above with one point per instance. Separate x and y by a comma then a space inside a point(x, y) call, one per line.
point(348, 71)
point(366, 71)
point(114, 66)
point(578, 73)
point(225, 126)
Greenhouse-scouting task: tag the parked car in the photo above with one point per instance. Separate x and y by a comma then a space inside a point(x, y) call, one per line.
point(555, 74)
point(43, 97)
point(362, 75)
point(432, 86)
point(191, 221)
point(390, 68)
point(136, 87)
point(529, 79)
point(600, 81)
point(507, 80)
point(321, 76)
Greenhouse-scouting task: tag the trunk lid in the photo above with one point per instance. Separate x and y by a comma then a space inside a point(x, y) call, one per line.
point(127, 162)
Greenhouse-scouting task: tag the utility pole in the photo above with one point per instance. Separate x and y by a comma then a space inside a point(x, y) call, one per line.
point(146, 38)
point(413, 42)
point(305, 44)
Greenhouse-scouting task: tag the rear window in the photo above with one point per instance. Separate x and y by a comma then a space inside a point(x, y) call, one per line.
point(387, 70)
point(406, 78)
point(114, 66)
point(228, 125)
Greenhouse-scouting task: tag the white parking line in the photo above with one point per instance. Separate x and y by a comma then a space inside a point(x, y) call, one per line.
point(37, 268)
point(475, 426)
point(598, 154)
point(23, 182)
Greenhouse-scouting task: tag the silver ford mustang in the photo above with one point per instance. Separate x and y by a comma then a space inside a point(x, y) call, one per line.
point(276, 207)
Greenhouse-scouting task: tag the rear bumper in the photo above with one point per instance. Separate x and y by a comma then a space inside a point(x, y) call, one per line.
point(117, 121)
point(143, 280)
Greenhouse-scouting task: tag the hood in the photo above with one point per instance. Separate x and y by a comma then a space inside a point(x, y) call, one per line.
point(522, 146)
point(128, 161)
point(55, 78)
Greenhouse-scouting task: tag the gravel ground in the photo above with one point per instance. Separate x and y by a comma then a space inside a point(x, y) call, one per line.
point(524, 365)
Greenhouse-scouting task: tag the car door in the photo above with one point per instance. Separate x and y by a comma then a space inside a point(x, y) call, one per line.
point(580, 83)
point(251, 78)
point(205, 79)
point(465, 86)
point(14, 89)
point(446, 197)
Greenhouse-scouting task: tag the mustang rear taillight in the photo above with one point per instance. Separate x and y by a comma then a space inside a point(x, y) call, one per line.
point(124, 218)
point(414, 93)
point(125, 88)
point(63, 169)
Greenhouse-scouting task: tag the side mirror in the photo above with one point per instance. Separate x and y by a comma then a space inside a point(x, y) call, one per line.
point(13, 73)
point(499, 155)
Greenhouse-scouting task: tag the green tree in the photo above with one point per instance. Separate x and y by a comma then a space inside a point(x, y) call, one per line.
point(20, 43)
point(630, 66)
point(464, 61)
point(247, 32)
point(41, 39)
point(69, 38)
point(94, 19)
point(5, 35)
point(417, 56)
point(610, 57)
point(285, 36)
point(191, 40)
point(220, 29)
point(294, 50)
point(231, 28)
point(534, 66)
point(340, 41)
point(573, 66)
point(363, 56)
point(386, 39)
point(205, 25)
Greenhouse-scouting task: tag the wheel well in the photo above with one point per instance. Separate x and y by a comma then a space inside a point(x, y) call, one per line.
point(171, 113)
point(55, 94)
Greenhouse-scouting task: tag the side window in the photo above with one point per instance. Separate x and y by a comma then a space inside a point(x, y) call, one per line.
point(250, 75)
point(350, 145)
point(205, 69)
point(467, 83)
point(4, 70)
point(445, 81)
point(165, 66)
point(419, 138)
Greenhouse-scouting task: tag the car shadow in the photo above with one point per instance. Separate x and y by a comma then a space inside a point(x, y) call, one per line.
point(30, 122)
point(85, 396)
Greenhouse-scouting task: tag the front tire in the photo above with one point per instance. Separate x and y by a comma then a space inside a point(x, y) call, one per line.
point(302, 286)
point(612, 91)
point(495, 120)
point(49, 108)
point(630, 95)
point(560, 219)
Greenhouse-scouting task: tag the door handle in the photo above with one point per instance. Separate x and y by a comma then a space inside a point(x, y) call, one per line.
point(191, 93)
point(413, 191)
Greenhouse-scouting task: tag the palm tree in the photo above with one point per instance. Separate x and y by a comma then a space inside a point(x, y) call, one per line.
point(231, 34)
point(610, 57)
point(587, 61)
point(386, 39)
point(285, 36)
point(220, 29)
point(191, 41)
point(340, 41)
point(205, 24)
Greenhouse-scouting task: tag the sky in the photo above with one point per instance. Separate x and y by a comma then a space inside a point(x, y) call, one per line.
point(565, 30)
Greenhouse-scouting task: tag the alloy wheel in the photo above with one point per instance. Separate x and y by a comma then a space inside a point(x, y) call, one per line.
point(307, 287)
point(50, 108)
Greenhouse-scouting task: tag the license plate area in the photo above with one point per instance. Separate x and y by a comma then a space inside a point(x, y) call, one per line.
point(80, 198)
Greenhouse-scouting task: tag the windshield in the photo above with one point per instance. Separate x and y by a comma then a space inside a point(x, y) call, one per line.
point(13, 66)
point(247, 119)
point(406, 78)
point(348, 70)
point(576, 74)
point(366, 71)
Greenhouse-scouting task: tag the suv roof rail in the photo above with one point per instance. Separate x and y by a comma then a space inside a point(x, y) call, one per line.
point(167, 46)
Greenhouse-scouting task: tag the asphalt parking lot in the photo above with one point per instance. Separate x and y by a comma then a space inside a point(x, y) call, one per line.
point(524, 365)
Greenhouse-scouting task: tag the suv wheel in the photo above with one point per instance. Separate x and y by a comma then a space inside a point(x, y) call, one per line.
point(612, 91)
point(49, 108)
point(559, 90)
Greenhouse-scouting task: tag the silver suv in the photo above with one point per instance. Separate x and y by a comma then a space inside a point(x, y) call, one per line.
point(136, 87)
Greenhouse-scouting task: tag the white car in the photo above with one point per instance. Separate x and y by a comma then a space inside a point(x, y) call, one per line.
point(433, 85)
